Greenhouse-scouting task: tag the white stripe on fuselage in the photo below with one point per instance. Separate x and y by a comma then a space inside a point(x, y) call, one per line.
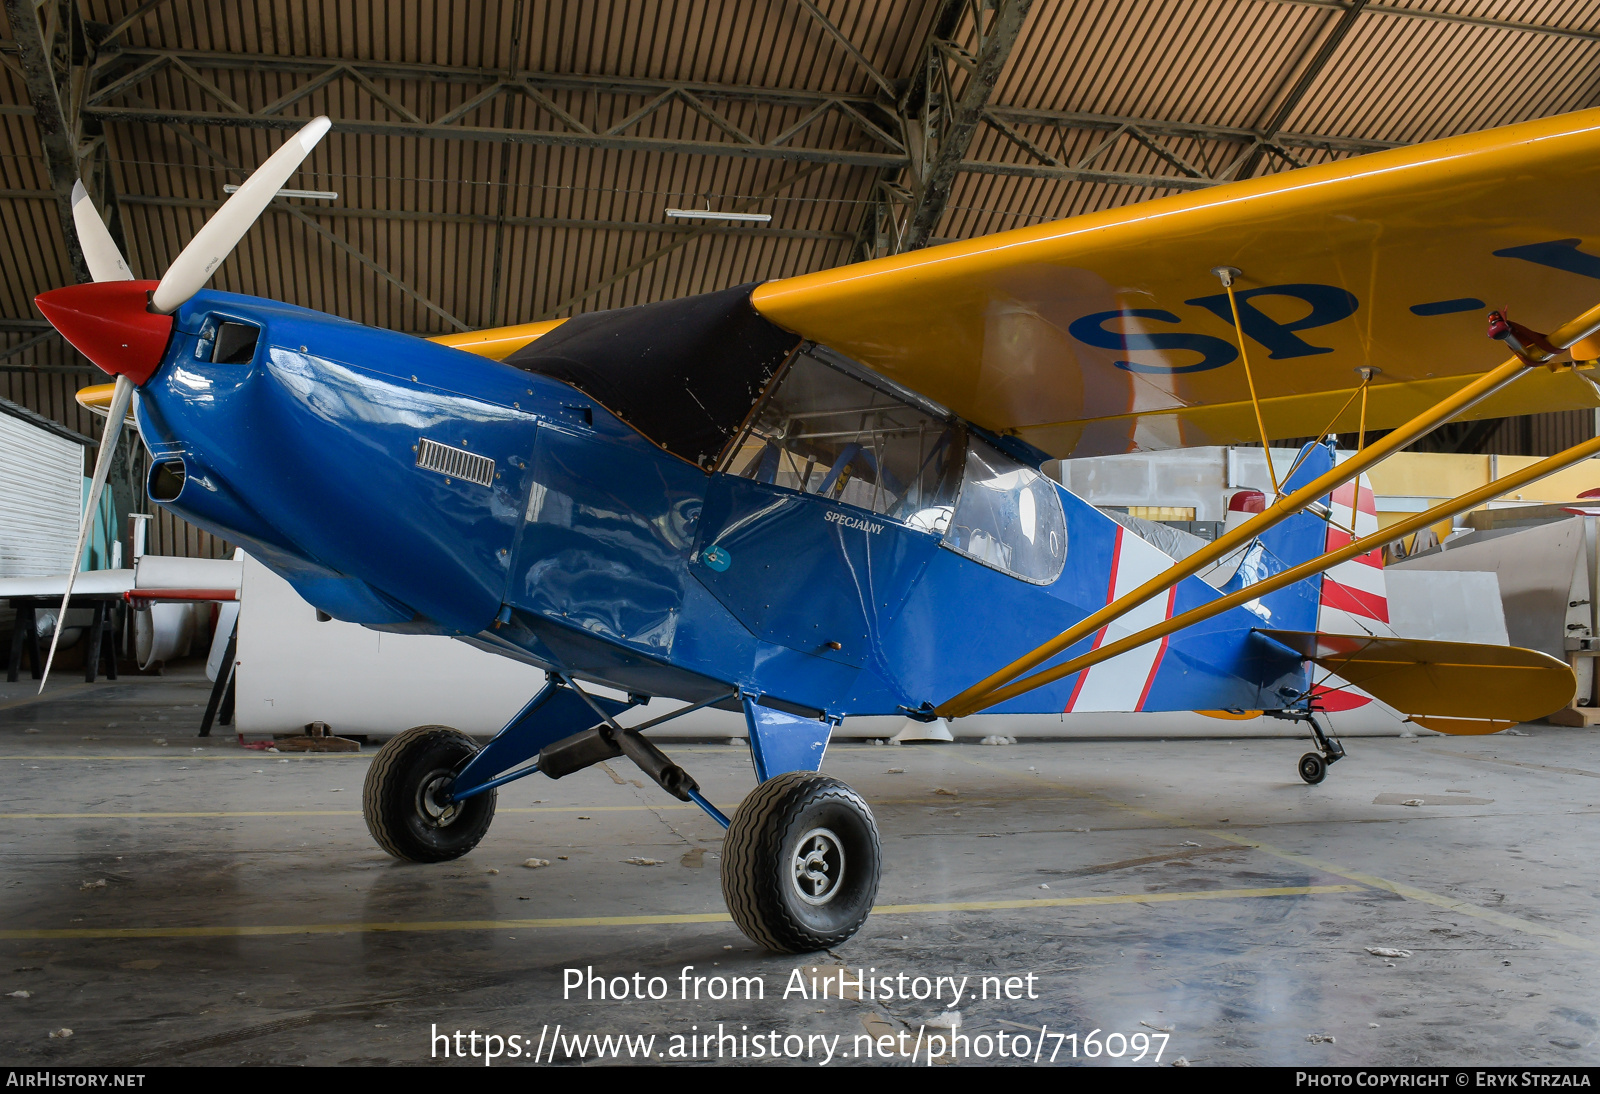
point(1359, 576)
point(1116, 685)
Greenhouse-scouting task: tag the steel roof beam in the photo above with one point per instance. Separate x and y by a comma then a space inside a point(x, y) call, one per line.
point(950, 117)
point(145, 61)
point(26, 343)
point(118, 79)
point(890, 158)
point(130, 19)
point(849, 47)
point(1342, 26)
point(565, 138)
point(336, 242)
point(890, 200)
point(682, 241)
point(840, 157)
point(490, 220)
point(29, 370)
point(1072, 119)
point(38, 51)
point(1455, 17)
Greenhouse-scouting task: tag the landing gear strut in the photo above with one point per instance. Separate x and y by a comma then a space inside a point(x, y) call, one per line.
point(1313, 766)
point(801, 860)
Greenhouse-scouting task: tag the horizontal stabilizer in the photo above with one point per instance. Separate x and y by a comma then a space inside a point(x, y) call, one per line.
point(1453, 687)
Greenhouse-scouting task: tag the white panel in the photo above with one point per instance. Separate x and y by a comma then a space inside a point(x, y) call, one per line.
point(90, 581)
point(293, 670)
point(1186, 477)
point(41, 499)
point(1447, 606)
point(1541, 573)
point(167, 572)
point(1118, 684)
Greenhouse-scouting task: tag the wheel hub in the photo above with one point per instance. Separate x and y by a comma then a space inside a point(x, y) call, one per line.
point(818, 866)
point(434, 804)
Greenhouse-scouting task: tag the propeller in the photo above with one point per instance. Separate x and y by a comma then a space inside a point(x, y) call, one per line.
point(100, 251)
point(217, 238)
point(105, 263)
point(122, 333)
point(120, 398)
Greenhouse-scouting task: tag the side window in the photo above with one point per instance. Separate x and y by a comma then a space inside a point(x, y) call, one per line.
point(822, 431)
point(1008, 517)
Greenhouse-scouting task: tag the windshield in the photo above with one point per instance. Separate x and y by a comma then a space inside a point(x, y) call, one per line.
point(1009, 517)
point(822, 431)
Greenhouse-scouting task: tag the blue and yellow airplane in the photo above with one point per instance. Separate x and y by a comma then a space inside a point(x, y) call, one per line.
point(822, 497)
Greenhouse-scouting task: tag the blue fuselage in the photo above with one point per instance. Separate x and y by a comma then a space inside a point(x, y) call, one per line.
point(586, 547)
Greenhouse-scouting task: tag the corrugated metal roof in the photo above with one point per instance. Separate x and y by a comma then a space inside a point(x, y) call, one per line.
point(430, 234)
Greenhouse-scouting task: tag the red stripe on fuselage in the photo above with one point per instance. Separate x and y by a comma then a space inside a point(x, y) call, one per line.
point(1100, 635)
point(1338, 539)
point(1354, 601)
point(1161, 651)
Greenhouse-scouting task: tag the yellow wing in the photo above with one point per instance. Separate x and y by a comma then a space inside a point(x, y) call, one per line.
point(1454, 687)
point(96, 399)
point(1109, 332)
point(498, 343)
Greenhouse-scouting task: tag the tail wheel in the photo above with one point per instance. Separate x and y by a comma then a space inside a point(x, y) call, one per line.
point(1312, 768)
point(405, 798)
point(800, 863)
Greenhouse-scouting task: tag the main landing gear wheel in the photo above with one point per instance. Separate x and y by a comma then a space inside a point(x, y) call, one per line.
point(405, 799)
point(800, 863)
point(1312, 768)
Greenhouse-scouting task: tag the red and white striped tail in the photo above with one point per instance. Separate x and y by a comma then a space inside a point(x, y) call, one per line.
point(1353, 597)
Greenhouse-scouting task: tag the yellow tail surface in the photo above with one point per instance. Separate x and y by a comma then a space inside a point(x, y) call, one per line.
point(1452, 687)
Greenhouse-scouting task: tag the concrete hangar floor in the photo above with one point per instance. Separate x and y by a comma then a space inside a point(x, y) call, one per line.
point(172, 900)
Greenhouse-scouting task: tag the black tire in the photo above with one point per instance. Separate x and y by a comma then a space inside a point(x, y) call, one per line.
point(1312, 768)
point(403, 816)
point(762, 856)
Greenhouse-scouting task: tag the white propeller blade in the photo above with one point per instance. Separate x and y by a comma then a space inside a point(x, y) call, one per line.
point(100, 251)
point(120, 399)
point(194, 266)
point(105, 263)
point(216, 240)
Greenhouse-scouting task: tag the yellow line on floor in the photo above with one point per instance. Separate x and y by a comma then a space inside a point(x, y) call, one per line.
point(1514, 763)
point(1409, 892)
point(647, 920)
point(1129, 898)
point(326, 812)
point(24, 700)
point(1423, 896)
point(188, 757)
point(179, 816)
point(213, 815)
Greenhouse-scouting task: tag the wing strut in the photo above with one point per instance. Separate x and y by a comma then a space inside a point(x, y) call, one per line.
point(991, 689)
point(1226, 274)
point(1443, 511)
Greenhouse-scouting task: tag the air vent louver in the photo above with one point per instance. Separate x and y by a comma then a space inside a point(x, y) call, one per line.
point(455, 463)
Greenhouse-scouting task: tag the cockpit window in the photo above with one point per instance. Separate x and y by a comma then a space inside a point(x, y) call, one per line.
point(823, 431)
point(1008, 517)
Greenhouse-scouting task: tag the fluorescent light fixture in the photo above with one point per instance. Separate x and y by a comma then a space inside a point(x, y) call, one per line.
point(319, 195)
point(709, 214)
